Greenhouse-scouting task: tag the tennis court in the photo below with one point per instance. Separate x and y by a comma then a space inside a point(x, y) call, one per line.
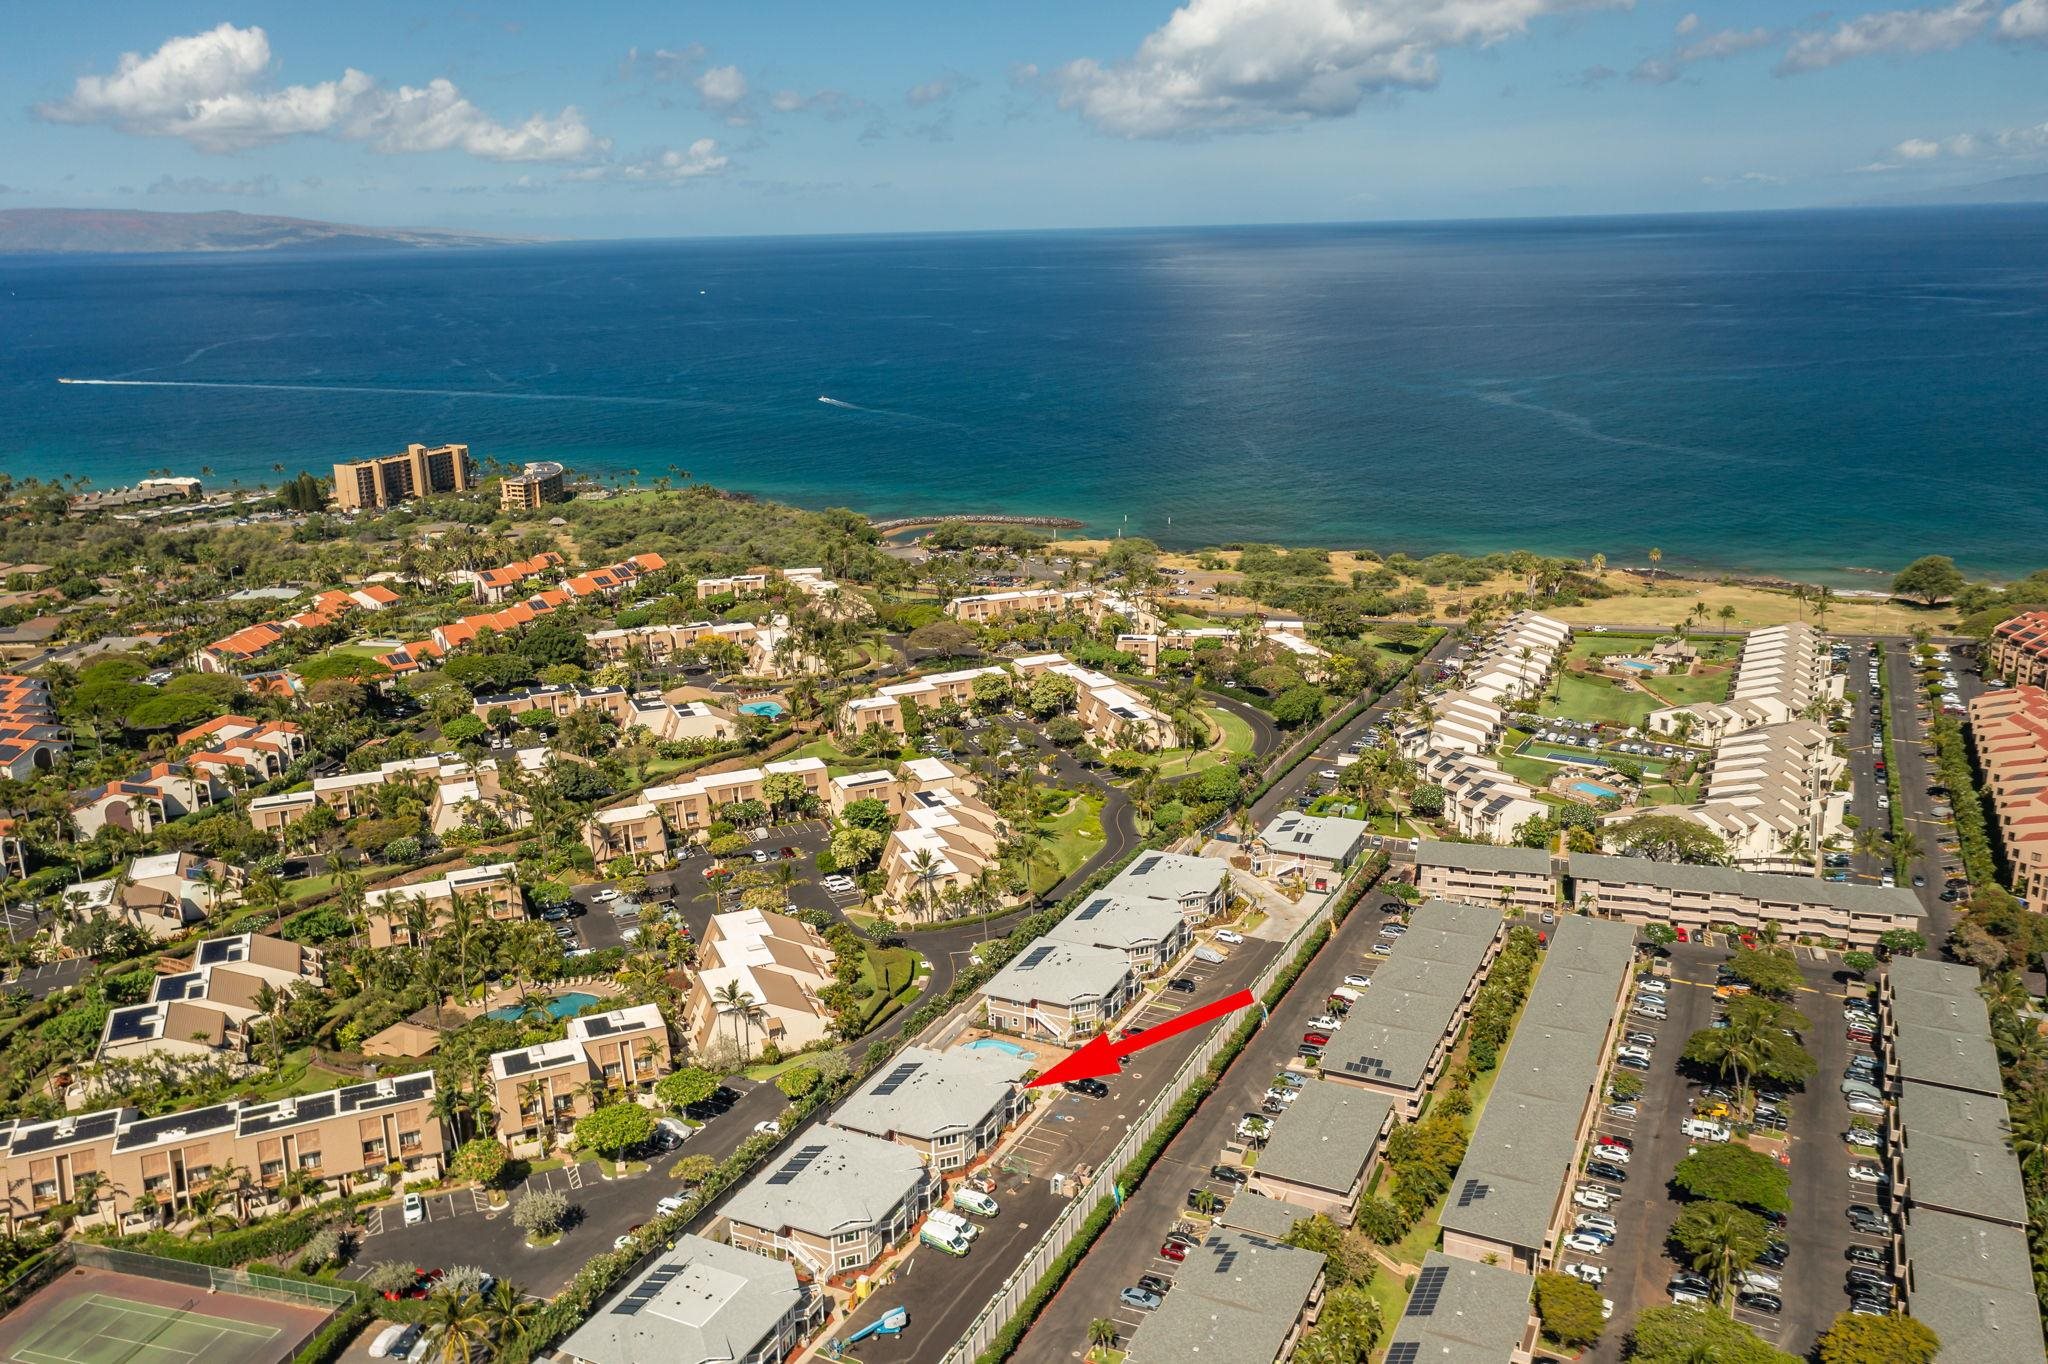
point(94, 1317)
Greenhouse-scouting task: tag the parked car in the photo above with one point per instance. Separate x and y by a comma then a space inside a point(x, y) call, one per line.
point(1591, 1198)
point(1585, 1273)
point(1622, 1110)
point(1182, 985)
point(381, 1346)
point(1140, 1299)
point(1761, 1302)
point(1094, 1089)
point(1358, 982)
point(1607, 1170)
point(415, 1209)
point(1585, 1244)
point(1868, 1255)
point(1866, 1173)
point(1156, 1284)
point(1228, 1174)
point(1174, 1251)
point(673, 1203)
point(1231, 936)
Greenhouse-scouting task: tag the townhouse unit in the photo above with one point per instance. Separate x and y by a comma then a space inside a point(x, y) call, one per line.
point(1199, 887)
point(943, 842)
point(162, 895)
point(1460, 1310)
point(1770, 795)
point(1236, 1297)
point(1937, 1028)
point(454, 786)
point(810, 582)
point(516, 615)
point(1289, 637)
point(762, 648)
point(661, 718)
point(1510, 1197)
point(1151, 934)
point(700, 1302)
point(1458, 722)
point(1971, 1282)
point(608, 582)
point(13, 851)
point(386, 480)
point(1095, 604)
point(2019, 650)
point(206, 1009)
point(884, 710)
point(1323, 1150)
point(259, 750)
point(1111, 712)
point(2010, 732)
point(493, 585)
point(1398, 1036)
point(1518, 879)
point(227, 653)
point(31, 740)
point(540, 1091)
point(690, 806)
point(146, 1169)
point(1515, 662)
point(627, 832)
point(532, 488)
point(1694, 898)
point(1784, 673)
point(142, 801)
point(492, 889)
point(759, 974)
point(1311, 849)
point(1064, 992)
point(897, 789)
point(834, 1202)
point(1480, 799)
point(949, 1107)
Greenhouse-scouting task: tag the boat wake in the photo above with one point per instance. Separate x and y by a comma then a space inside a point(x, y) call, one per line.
point(850, 407)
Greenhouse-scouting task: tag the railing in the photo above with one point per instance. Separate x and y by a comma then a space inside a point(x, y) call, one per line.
point(212, 1278)
point(981, 1333)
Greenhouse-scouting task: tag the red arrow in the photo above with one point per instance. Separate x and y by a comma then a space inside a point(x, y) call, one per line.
point(1102, 1056)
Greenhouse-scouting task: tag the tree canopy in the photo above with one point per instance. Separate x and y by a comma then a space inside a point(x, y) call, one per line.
point(1729, 1173)
point(1688, 1335)
point(1931, 578)
point(1669, 838)
point(1878, 1340)
point(1570, 1309)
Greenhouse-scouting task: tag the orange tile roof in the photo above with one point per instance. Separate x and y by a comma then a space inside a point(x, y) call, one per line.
point(380, 594)
point(249, 641)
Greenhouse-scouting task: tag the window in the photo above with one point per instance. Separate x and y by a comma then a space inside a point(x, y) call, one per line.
point(849, 1238)
point(45, 1191)
point(950, 1162)
point(309, 1160)
point(372, 1150)
point(271, 1169)
point(850, 1262)
point(408, 1141)
point(156, 1183)
point(197, 1174)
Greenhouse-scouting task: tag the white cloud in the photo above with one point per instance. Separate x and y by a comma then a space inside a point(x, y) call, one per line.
point(194, 185)
point(662, 64)
point(213, 90)
point(1917, 149)
point(1746, 180)
point(828, 104)
point(1714, 47)
point(721, 87)
point(2007, 144)
point(938, 89)
point(1246, 65)
point(2025, 22)
point(1899, 32)
point(1688, 24)
point(662, 166)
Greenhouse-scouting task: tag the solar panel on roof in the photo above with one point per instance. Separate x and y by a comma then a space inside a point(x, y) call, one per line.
point(1093, 908)
point(1225, 1261)
point(1033, 957)
point(895, 1079)
point(131, 1025)
point(1369, 1065)
point(1473, 1192)
point(1144, 865)
point(1404, 1352)
point(647, 1290)
point(798, 1163)
point(1429, 1286)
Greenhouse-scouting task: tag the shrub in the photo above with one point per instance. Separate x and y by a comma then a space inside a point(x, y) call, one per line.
point(540, 1213)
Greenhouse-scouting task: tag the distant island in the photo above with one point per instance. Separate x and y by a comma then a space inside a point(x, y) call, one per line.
point(124, 231)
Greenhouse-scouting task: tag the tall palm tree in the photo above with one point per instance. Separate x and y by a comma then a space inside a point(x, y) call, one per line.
point(927, 868)
point(736, 1004)
point(463, 1323)
point(2030, 1135)
point(509, 1311)
point(1721, 1239)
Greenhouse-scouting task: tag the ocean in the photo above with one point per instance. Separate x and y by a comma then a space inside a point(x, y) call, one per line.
point(1822, 395)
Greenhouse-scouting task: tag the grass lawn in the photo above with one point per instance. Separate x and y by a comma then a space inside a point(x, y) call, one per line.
point(802, 1058)
point(1529, 771)
point(1684, 691)
point(298, 1075)
point(1072, 837)
point(837, 761)
point(1398, 657)
point(1187, 620)
point(1658, 793)
point(313, 887)
point(890, 971)
point(1235, 742)
point(1597, 699)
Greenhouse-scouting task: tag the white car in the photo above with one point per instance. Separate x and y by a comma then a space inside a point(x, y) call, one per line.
point(1681, 1298)
point(1231, 936)
point(1654, 987)
point(1617, 1155)
point(768, 1129)
point(1595, 1221)
point(1393, 930)
point(1325, 1023)
point(1592, 1198)
point(1358, 982)
point(1623, 1110)
point(386, 1338)
point(674, 1203)
point(626, 1242)
point(1866, 1174)
point(1856, 1136)
point(605, 896)
point(415, 1209)
point(1757, 1281)
point(1282, 1094)
point(1592, 1274)
point(760, 855)
point(1584, 1244)
point(1868, 1108)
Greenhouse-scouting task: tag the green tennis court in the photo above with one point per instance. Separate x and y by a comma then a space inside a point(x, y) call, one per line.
point(102, 1329)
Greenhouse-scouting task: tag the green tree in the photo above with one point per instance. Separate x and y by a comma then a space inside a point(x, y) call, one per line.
point(1698, 1335)
point(540, 1213)
point(868, 813)
point(614, 1128)
point(1878, 1340)
point(1669, 838)
point(694, 1169)
point(1901, 942)
point(1862, 963)
point(1754, 1044)
point(462, 1324)
point(1347, 1331)
point(690, 1085)
point(1297, 706)
point(798, 1081)
point(1719, 1239)
point(1932, 578)
point(1728, 1173)
point(480, 1161)
point(1571, 1310)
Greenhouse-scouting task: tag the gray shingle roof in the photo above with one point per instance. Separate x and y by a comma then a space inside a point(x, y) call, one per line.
point(1261, 1216)
point(1941, 1026)
point(1972, 1284)
point(1059, 973)
point(1106, 920)
point(1479, 1313)
point(1326, 1136)
point(849, 1182)
point(1234, 1301)
point(1890, 902)
point(701, 1303)
point(1956, 1148)
point(1482, 857)
point(1169, 876)
point(931, 1094)
point(1392, 1032)
point(1327, 838)
point(1525, 1145)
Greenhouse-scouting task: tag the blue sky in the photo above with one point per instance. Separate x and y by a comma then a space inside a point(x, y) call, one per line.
point(645, 119)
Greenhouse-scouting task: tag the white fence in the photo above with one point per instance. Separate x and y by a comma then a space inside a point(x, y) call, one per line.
point(1010, 1297)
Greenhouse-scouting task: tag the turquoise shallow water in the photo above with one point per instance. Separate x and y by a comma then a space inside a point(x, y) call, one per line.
point(1813, 393)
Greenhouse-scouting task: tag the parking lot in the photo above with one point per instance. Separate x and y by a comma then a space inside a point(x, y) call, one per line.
point(40, 982)
point(1640, 1264)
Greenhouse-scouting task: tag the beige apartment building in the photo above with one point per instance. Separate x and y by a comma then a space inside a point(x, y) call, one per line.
point(163, 895)
point(538, 484)
point(2010, 731)
point(144, 800)
point(648, 710)
point(540, 1091)
point(1060, 991)
point(627, 831)
point(207, 1008)
point(390, 479)
point(885, 708)
point(1480, 874)
point(943, 840)
point(453, 787)
point(834, 1202)
point(767, 648)
point(692, 805)
point(1108, 710)
point(145, 1170)
point(495, 888)
point(2019, 650)
point(757, 977)
point(896, 789)
point(1637, 890)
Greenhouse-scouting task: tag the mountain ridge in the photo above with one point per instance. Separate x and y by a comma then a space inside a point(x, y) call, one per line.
point(55, 231)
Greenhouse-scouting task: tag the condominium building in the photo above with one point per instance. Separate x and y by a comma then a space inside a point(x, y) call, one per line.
point(1515, 662)
point(1237, 1297)
point(540, 1091)
point(162, 895)
point(1479, 874)
point(455, 789)
point(533, 487)
point(949, 1107)
point(633, 832)
point(758, 974)
point(147, 1169)
point(897, 789)
point(1784, 671)
point(390, 479)
point(144, 800)
point(2010, 731)
point(1322, 1154)
point(763, 648)
point(2019, 649)
point(31, 740)
point(1097, 605)
point(494, 889)
point(1480, 799)
point(885, 708)
point(691, 805)
point(1311, 849)
point(943, 842)
point(1061, 991)
point(1458, 722)
point(701, 1302)
point(1462, 1311)
point(1199, 887)
point(1150, 933)
point(261, 749)
point(1695, 898)
point(206, 1008)
point(662, 719)
point(834, 1202)
point(1111, 712)
point(1770, 795)
point(1289, 637)
point(1509, 1200)
point(493, 585)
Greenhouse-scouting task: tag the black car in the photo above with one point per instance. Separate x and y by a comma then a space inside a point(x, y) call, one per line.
point(1761, 1302)
point(1774, 1257)
point(1689, 1283)
point(1094, 1089)
point(1868, 1278)
point(1228, 1174)
point(1156, 1284)
point(1613, 1174)
point(1184, 984)
point(1868, 1255)
point(1198, 1198)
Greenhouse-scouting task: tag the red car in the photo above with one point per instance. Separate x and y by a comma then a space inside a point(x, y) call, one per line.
point(1623, 1142)
point(1316, 1039)
point(422, 1284)
point(1174, 1251)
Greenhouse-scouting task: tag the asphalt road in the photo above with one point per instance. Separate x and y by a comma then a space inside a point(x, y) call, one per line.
point(1130, 1246)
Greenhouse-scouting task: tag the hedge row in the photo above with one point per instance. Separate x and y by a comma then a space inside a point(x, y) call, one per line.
point(276, 1240)
point(332, 1339)
point(1177, 1117)
point(1966, 798)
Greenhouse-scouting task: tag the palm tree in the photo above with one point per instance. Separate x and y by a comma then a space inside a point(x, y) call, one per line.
point(463, 1323)
point(1102, 1333)
point(2030, 1135)
point(738, 1005)
point(927, 868)
point(1656, 558)
point(1721, 1239)
point(509, 1311)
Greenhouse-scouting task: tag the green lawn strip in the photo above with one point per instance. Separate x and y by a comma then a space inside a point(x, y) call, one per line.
point(1236, 741)
point(1072, 837)
point(1597, 699)
point(1529, 771)
point(1686, 689)
point(838, 762)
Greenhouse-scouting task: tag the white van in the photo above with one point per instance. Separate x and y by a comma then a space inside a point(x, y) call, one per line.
point(939, 1238)
point(954, 1223)
point(976, 1202)
point(1701, 1129)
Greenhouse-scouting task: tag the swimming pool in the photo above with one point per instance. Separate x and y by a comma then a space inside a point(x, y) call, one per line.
point(1594, 789)
point(769, 709)
point(561, 1006)
point(991, 1044)
point(1636, 665)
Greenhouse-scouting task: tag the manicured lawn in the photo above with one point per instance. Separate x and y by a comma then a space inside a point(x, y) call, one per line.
point(1072, 837)
point(1529, 771)
point(298, 1075)
point(1596, 699)
point(1657, 793)
point(837, 761)
point(1235, 742)
point(1398, 657)
point(1186, 620)
point(313, 887)
point(1694, 686)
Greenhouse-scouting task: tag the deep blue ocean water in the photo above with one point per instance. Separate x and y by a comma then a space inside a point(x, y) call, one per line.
point(1814, 393)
